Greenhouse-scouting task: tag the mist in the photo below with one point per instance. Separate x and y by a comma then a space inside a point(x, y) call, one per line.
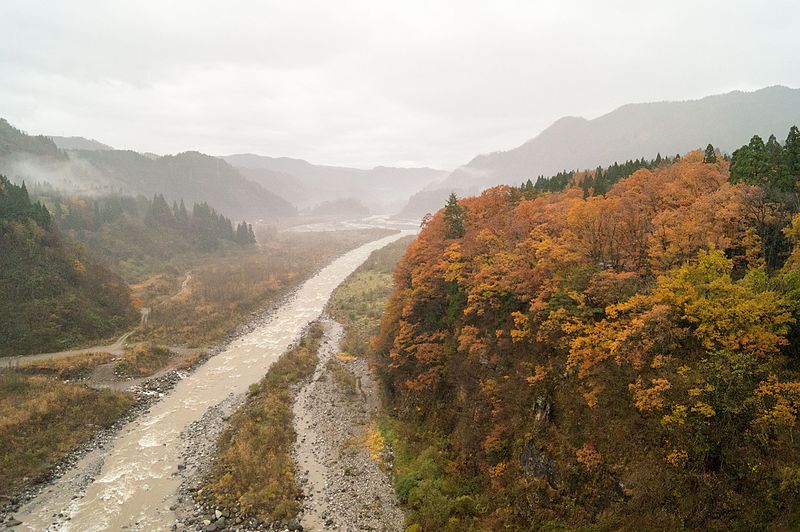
point(72, 176)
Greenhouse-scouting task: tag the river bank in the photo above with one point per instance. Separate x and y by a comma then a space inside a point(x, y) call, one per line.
point(339, 462)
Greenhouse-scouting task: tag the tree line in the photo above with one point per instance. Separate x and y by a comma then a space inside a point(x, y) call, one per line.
point(202, 226)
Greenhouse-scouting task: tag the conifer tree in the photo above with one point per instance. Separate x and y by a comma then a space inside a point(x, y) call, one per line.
point(792, 151)
point(454, 217)
point(748, 164)
point(777, 172)
point(710, 157)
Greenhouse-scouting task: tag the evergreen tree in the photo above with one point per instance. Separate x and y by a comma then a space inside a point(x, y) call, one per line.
point(749, 163)
point(792, 151)
point(454, 217)
point(15, 204)
point(159, 212)
point(776, 169)
point(182, 216)
point(710, 155)
point(241, 233)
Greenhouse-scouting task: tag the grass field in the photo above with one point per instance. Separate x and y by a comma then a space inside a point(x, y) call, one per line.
point(225, 291)
point(359, 301)
point(69, 368)
point(42, 418)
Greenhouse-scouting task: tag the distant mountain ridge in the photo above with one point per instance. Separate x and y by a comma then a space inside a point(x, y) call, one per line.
point(629, 132)
point(194, 177)
point(382, 187)
point(80, 143)
point(14, 142)
point(191, 176)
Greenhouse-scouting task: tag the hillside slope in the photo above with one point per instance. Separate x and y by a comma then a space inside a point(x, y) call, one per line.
point(625, 361)
point(79, 143)
point(51, 296)
point(191, 176)
point(629, 132)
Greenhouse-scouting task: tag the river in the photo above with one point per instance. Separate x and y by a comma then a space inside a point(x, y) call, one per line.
point(136, 484)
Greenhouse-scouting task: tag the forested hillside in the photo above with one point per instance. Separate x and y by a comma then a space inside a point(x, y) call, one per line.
point(51, 295)
point(13, 141)
point(136, 237)
point(620, 358)
point(79, 143)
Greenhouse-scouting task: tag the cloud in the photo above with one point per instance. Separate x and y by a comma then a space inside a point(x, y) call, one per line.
point(365, 83)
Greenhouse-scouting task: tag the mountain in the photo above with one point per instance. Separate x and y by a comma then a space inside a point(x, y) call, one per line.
point(347, 207)
point(14, 142)
point(285, 185)
point(191, 176)
point(79, 143)
point(381, 188)
point(629, 132)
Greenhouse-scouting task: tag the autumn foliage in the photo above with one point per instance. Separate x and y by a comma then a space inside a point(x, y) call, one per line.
point(624, 360)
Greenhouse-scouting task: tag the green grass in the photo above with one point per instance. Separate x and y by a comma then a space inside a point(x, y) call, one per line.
point(359, 301)
point(434, 499)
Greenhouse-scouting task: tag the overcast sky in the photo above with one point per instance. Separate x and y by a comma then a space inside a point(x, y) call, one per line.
point(366, 83)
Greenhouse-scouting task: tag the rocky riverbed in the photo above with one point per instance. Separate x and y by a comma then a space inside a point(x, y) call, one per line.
point(344, 488)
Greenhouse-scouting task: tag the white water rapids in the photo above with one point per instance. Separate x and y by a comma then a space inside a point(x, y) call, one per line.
point(136, 485)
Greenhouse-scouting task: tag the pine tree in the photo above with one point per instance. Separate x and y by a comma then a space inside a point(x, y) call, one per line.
point(241, 233)
point(182, 216)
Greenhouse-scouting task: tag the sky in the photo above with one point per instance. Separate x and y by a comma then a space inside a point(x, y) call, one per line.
point(364, 83)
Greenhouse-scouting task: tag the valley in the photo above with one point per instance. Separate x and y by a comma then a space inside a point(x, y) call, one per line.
point(596, 330)
point(140, 466)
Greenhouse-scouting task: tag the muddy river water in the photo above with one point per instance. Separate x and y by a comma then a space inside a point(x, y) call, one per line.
point(136, 484)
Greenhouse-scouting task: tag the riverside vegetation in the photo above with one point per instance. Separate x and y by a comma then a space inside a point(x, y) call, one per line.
point(253, 470)
point(42, 418)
